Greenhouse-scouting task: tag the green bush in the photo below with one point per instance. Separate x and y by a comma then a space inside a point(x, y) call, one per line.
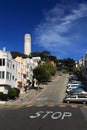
point(17, 92)
point(12, 93)
point(3, 97)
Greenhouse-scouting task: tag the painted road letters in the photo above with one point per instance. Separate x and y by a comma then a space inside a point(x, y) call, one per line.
point(53, 115)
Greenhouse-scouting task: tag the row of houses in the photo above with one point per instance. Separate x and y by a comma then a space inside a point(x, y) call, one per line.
point(16, 72)
point(82, 66)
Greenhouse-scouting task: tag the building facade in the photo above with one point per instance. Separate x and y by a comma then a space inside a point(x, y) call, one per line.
point(16, 73)
point(21, 73)
point(8, 75)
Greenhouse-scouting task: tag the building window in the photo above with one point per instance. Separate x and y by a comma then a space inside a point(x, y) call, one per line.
point(2, 74)
point(9, 63)
point(2, 62)
point(13, 77)
point(13, 66)
point(8, 76)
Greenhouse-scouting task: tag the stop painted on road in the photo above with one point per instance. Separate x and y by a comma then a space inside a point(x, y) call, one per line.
point(53, 115)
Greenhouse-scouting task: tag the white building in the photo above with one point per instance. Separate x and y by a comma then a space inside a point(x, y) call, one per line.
point(27, 44)
point(16, 72)
point(8, 75)
point(35, 61)
point(31, 65)
point(29, 69)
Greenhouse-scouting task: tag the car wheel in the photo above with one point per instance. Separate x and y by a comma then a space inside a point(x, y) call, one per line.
point(68, 101)
point(84, 102)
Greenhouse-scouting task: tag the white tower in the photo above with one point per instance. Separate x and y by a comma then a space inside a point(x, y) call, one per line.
point(27, 44)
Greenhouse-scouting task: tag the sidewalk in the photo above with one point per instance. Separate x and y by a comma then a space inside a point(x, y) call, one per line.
point(25, 98)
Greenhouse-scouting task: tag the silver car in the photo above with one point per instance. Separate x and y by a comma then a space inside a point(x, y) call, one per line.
point(75, 98)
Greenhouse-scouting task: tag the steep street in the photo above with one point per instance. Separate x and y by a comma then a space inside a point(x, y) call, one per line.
point(54, 93)
point(43, 110)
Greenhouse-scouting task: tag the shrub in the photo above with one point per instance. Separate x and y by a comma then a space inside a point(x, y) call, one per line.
point(12, 93)
point(17, 92)
point(3, 97)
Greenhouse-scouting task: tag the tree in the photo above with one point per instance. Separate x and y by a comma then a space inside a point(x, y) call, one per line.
point(68, 64)
point(41, 74)
point(15, 54)
point(53, 58)
point(35, 54)
point(49, 67)
point(45, 53)
point(44, 72)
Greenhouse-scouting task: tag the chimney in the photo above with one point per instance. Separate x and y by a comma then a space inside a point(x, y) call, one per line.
point(4, 49)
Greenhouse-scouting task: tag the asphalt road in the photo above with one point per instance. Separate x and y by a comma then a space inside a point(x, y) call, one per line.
point(44, 118)
point(54, 93)
point(45, 111)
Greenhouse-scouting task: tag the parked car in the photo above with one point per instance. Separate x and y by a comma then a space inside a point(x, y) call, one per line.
point(74, 82)
point(77, 91)
point(71, 87)
point(71, 84)
point(74, 98)
point(72, 77)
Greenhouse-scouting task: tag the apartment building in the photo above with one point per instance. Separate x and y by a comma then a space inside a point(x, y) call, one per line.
point(21, 73)
point(31, 65)
point(16, 72)
point(29, 70)
point(8, 68)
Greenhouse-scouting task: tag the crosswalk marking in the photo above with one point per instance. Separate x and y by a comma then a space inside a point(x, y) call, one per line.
point(51, 105)
point(8, 106)
point(18, 106)
point(1, 106)
point(85, 106)
point(41, 105)
point(74, 106)
point(30, 105)
point(62, 105)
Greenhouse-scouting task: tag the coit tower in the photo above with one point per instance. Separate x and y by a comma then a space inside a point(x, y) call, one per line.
point(27, 44)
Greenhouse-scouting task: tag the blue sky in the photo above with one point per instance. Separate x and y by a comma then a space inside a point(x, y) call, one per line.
point(58, 26)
